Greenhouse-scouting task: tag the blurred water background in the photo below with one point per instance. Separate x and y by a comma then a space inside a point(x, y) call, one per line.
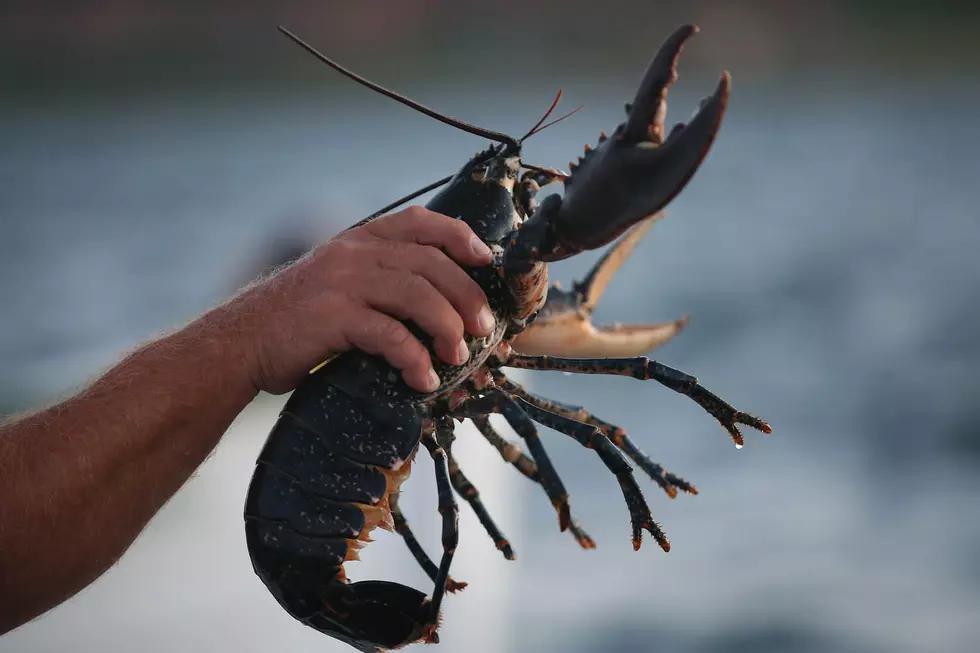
point(151, 154)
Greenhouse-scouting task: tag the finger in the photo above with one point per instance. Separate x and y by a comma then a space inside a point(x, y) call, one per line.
point(451, 281)
point(417, 224)
point(379, 334)
point(411, 297)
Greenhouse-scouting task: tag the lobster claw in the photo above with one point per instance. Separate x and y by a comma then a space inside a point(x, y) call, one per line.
point(632, 174)
point(563, 326)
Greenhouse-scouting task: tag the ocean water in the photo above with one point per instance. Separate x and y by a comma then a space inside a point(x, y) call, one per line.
point(825, 252)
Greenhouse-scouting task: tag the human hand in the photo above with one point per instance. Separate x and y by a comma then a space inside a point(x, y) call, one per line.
point(351, 291)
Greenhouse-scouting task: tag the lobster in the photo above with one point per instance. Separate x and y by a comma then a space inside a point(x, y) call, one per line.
point(331, 469)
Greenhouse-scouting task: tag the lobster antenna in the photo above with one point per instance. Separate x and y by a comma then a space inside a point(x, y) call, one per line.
point(555, 121)
point(458, 124)
point(447, 179)
point(399, 202)
point(547, 113)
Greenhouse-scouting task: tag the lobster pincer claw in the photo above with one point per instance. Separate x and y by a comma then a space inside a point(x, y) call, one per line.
point(563, 326)
point(630, 175)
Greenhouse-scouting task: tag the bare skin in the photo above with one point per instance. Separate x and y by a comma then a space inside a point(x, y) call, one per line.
point(80, 480)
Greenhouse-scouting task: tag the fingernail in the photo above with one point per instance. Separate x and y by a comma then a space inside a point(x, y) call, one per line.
point(432, 382)
point(462, 352)
point(479, 247)
point(486, 318)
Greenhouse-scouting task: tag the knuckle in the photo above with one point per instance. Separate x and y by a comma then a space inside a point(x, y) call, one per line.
point(339, 248)
point(393, 334)
point(431, 256)
point(425, 300)
point(462, 233)
point(451, 326)
point(401, 346)
point(379, 226)
point(417, 212)
point(417, 355)
point(418, 288)
point(456, 330)
point(461, 229)
point(465, 292)
point(473, 297)
point(435, 221)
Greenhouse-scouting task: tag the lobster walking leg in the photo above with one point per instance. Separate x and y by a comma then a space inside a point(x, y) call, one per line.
point(511, 453)
point(670, 483)
point(445, 435)
point(450, 534)
point(471, 495)
point(531, 182)
point(590, 437)
point(403, 529)
point(496, 401)
point(644, 369)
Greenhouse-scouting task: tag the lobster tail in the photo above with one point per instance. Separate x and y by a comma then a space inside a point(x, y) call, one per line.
point(371, 616)
point(322, 484)
point(380, 614)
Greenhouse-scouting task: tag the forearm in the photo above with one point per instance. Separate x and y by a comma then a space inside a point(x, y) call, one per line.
point(80, 480)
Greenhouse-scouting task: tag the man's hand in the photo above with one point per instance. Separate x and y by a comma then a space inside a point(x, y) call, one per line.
point(351, 291)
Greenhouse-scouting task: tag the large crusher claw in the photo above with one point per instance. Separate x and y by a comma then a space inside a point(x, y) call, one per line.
point(630, 175)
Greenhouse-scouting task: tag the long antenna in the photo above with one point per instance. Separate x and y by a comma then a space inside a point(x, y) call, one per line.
point(399, 202)
point(554, 103)
point(458, 124)
point(436, 184)
point(553, 122)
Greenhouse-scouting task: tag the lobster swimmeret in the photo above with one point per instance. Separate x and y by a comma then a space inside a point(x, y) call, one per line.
point(331, 469)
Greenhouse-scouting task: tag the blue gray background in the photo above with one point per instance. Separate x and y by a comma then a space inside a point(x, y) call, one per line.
point(152, 154)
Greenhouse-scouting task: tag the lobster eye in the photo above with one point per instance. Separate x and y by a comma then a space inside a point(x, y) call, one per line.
point(479, 173)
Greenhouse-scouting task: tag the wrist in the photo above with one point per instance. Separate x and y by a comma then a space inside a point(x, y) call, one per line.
point(224, 347)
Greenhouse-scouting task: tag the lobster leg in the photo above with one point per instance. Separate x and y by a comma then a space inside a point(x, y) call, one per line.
point(445, 435)
point(450, 534)
point(496, 401)
point(531, 182)
point(590, 437)
point(644, 369)
point(403, 529)
point(471, 495)
point(670, 483)
point(511, 453)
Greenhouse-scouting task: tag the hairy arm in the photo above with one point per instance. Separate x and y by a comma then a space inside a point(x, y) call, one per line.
point(80, 480)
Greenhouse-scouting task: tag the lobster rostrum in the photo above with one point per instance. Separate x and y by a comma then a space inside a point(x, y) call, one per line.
point(330, 471)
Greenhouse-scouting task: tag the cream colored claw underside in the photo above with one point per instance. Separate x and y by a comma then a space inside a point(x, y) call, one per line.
point(574, 336)
point(567, 331)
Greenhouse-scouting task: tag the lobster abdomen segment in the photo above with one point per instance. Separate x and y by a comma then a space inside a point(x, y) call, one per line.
point(359, 406)
point(319, 469)
point(321, 485)
point(284, 501)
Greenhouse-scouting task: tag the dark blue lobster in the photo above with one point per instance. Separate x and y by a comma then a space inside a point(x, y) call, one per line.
point(344, 442)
